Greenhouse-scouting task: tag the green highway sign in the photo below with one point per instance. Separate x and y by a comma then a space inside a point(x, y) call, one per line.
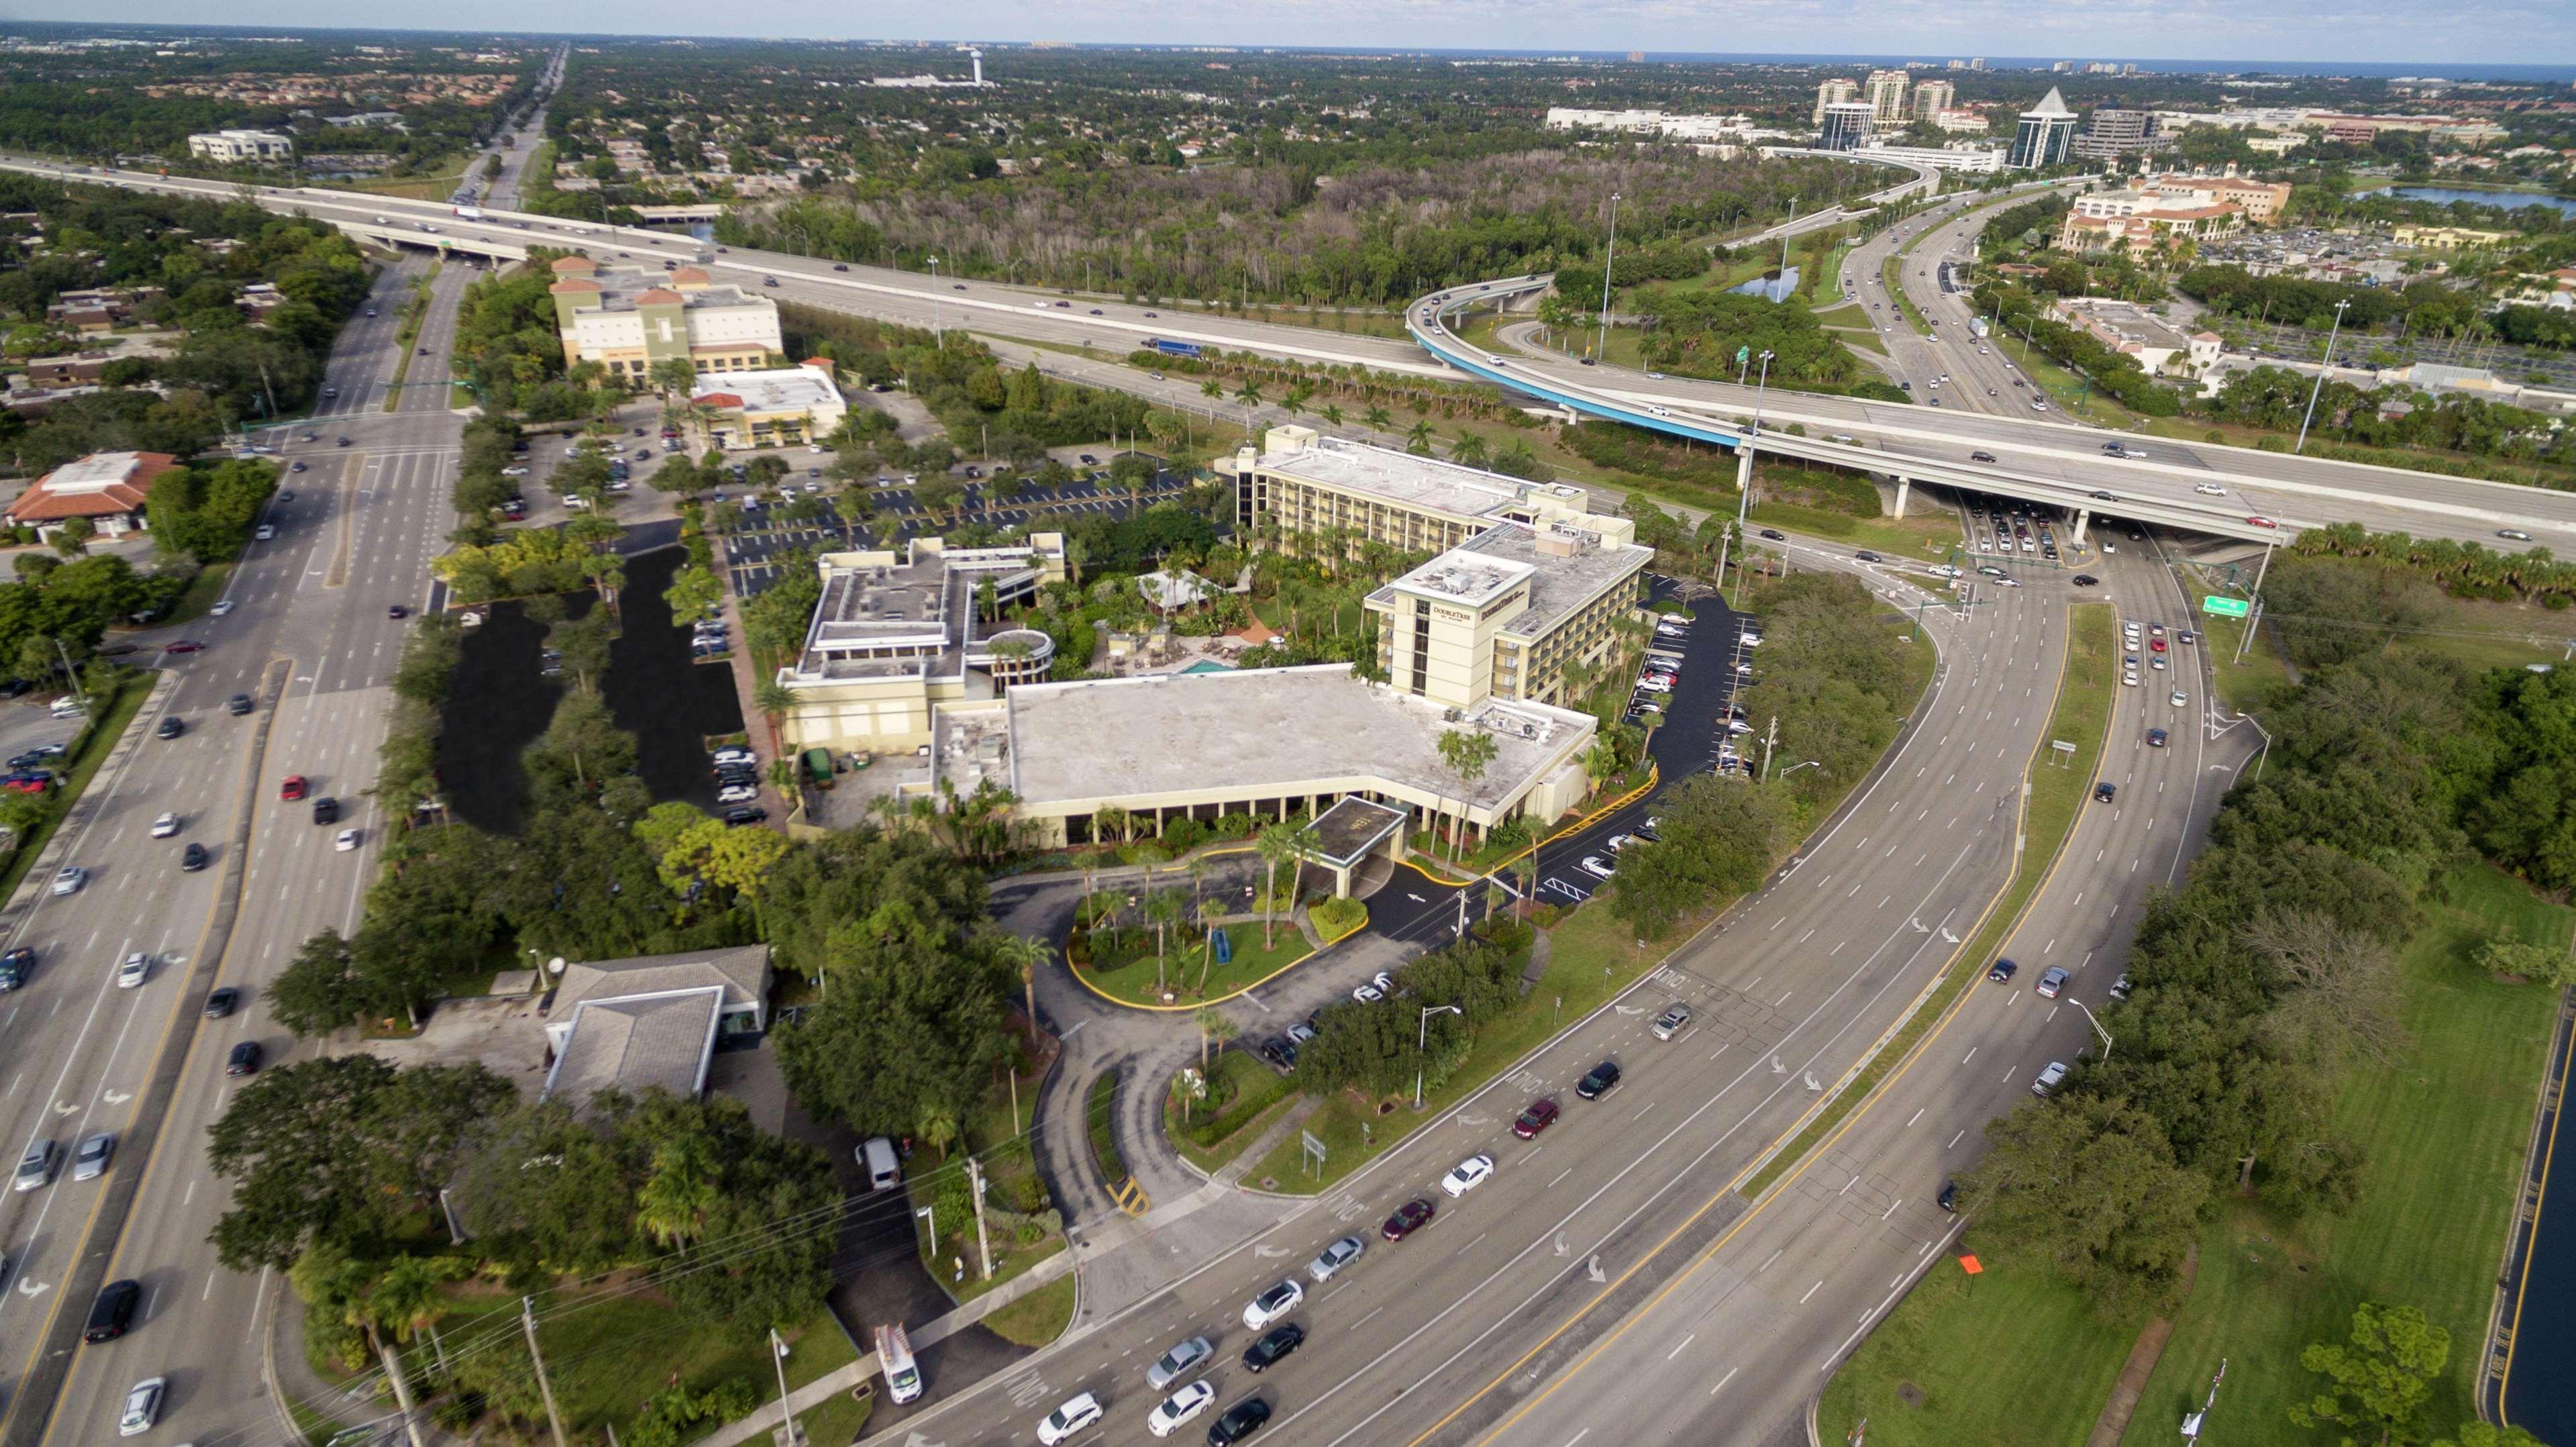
point(2225, 607)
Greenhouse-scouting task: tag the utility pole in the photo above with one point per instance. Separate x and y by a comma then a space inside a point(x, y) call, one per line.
point(2322, 368)
point(778, 1357)
point(1608, 261)
point(402, 1394)
point(1770, 746)
point(975, 1182)
point(528, 1322)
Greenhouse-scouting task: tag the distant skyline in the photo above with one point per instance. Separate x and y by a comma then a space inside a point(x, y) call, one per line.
point(2499, 33)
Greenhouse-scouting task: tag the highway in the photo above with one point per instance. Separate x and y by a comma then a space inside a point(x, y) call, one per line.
point(310, 639)
point(2040, 457)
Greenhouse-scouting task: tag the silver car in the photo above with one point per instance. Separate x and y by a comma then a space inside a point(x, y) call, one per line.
point(36, 1168)
point(1329, 1261)
point(142, 1407)
point(1179, 1362)
point(90, 1161)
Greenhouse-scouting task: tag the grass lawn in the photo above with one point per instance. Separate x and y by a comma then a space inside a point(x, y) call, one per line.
point(2444, 1130)
point(204, 591)
point(1244, 1096)
point(1033, 1320)
point(2082, 718)
point(1100, 1112)
point(1930, 533)
point(1866, 339)
point(133, 687)
point(1131, 972)
point(2013, 1355)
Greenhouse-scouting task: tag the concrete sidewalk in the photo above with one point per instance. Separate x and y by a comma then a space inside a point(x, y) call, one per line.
point(766, 1421)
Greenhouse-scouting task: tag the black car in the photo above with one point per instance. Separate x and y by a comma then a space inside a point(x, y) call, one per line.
point(1949, 1197)
point(343, 442)
point(2102, 793)
point(397, 612)
point(2155, 738)
point(1603, 1079)
point(171, 727)
point(1774, 535)
point(16, 966)
point(1265, 1353)
point(1275, 1050)
point(326, 810)
point(244, 1060)
point(192, 859)
point(2002, 972)
point(2086, 580)
point(840, 266)
point(238, 705)
point(1240, 1421)
point(743, 814)
point(112, 1311)
point(220, 1003)
point(1866, 556)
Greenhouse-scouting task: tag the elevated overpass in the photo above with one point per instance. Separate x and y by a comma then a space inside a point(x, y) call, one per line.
point(2039, 459)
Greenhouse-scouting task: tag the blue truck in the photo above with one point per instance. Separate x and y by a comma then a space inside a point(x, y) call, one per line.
point(1175, 349)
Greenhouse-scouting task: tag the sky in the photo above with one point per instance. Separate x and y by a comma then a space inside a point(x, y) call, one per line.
point(2386, 31)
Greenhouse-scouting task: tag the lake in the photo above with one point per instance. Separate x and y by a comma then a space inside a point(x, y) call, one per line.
point(2510, 200)
point(1769, 289)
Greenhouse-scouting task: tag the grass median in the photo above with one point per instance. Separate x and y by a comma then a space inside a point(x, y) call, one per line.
point(2082, 717)
point(88, 756)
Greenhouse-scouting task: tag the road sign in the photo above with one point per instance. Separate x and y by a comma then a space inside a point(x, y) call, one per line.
point(2225, 607)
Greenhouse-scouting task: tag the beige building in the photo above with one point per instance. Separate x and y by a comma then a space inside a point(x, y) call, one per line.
point(1504, 615)
point(771, 407)
point(1833, 92)
point(1933, 97)
point(2446, 238)
point(1885, 92)
point(626, 319)
point(1314, 490)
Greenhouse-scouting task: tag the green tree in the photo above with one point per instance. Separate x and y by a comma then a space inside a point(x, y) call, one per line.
point(2091, 1185)
point(318, 991)
point(72, 535)
point(2380, 1379)
point(672, 1207)
point(2541, 964)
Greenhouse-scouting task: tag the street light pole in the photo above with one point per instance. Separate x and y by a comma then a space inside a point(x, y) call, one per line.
point(2326, 367)
point(1609, 260)
point(935, 338)
point(2097, 1026)
point(1422, 1044)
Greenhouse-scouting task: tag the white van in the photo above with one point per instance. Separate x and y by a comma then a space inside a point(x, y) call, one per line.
point(884, 1171)
point(894, 1355)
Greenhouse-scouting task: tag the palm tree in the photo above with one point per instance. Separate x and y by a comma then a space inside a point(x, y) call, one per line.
point(1377, 419)
point(1212, 389)
point(1332, 414)
point(1163, 908)
point(1470, 450)
point(1417, 439)
point(938, 1129)
point(1466, 752)
point(1213, 1025)
point(1029, 952)
point(1209, 913)
point(407, 1299)
point(675, 1200)
point(773, 699)
point(1277, 845)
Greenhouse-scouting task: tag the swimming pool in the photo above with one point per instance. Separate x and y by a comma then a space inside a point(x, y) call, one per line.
point(1209, 665)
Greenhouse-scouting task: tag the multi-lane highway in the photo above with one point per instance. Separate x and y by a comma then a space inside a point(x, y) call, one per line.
point(310, 639)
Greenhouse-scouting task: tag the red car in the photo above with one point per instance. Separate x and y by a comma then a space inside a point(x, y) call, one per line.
point(1540, 1115)
point(292, 789)
point(2157, 644)
point(185, 645)
point(2263, 522)
point(1410, 1217)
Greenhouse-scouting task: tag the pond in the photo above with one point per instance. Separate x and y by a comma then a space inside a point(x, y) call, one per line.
point(2510, 200)
point(1770, 288)
point(499, 702)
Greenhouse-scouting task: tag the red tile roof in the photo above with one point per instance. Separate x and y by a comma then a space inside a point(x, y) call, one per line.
point(102, 484)
point(720, 399)
point(659, 296)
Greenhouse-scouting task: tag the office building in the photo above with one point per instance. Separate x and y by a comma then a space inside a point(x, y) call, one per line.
point(1956, 156)
point(626, 319)
point(2046, 134)
point(1833, 92)
point(771, 406)
point(1846, 126)
point(1885, 93)
point(1933, 97)
point(107, 488)
point(2154, 214)
point(232, 147)
point(2111, 133)
point(1961, 123)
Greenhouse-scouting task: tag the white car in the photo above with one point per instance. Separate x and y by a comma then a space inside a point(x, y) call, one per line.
point(1273, 1304)
point(136, 969)
point(2129, 678)
point(165, 826)
point(745, 793)
point(1597, 867)
point(514, 472)
point(1368, 994)
point(69, 879)
point(346, 840)
point(222, 609)
point(1467, 1175)
point(2049, 1078)
point(1329, 1261)
point(1072, 1417)
point(2180, 700)
point(2210, 488)
point(142, 1407)
point(263, 533)
point(1181, 1406)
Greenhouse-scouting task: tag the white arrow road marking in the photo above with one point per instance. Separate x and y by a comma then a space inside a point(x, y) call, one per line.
point(29, 1286)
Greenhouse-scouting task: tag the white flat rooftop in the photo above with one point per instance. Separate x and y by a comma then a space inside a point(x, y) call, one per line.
point(1421, 482)
point(1256, 732)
